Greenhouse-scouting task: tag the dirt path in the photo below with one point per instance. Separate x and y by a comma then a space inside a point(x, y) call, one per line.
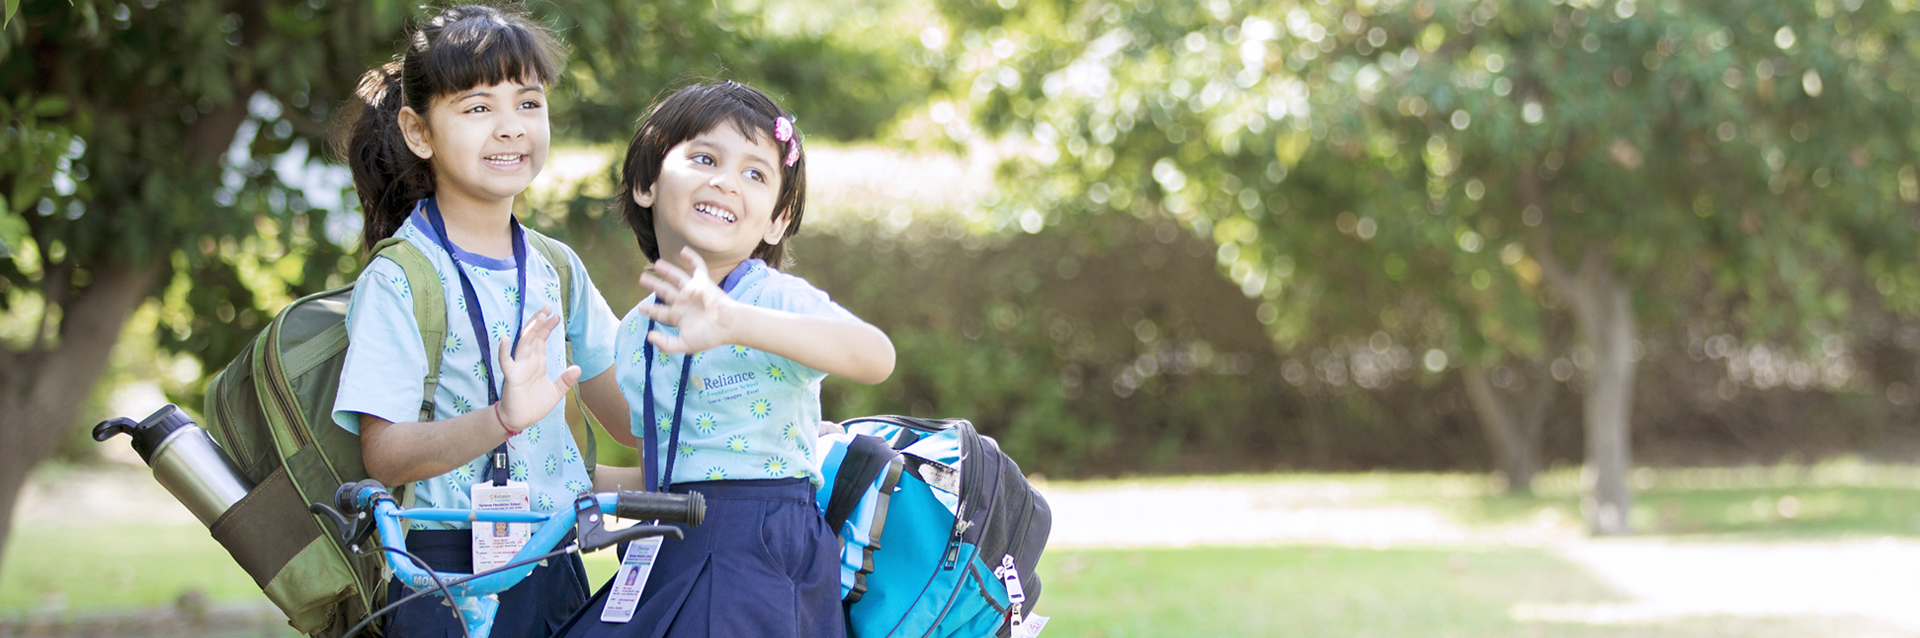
point(1872, 579)
point(1206, 513)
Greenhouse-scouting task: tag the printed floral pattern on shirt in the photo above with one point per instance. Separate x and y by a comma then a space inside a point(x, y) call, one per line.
point(748, 414)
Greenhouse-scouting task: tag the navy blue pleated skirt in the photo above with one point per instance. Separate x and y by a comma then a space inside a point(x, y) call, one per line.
point(534, 608)
point(763, 564)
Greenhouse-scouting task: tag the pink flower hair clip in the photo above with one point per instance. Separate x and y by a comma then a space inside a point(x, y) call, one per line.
point(783, 131)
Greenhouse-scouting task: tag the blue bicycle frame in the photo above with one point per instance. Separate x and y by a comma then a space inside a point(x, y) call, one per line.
point(475, 596)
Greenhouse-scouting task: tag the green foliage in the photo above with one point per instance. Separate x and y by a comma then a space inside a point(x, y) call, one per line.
point(186, 139)
point(1081, 348)
point(1346, 154)
point(844, 83)
point(1111, 347)
point(1023, 346)
point(175, 140)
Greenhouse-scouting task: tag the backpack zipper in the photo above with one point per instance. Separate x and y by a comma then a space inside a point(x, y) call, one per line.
point(276, 383)
point(960, 527)
point(223, 415)
point(1022, 523)
point(960, 523)
point(1009, 574)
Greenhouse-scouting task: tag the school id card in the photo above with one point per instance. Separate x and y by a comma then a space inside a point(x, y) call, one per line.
point(495, 544)
point(624, 597)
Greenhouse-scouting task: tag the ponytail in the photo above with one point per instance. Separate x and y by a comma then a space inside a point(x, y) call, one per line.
point(387, 176)
point(457, 49)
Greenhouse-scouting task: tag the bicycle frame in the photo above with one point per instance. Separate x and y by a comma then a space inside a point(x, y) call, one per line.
point(475, 596)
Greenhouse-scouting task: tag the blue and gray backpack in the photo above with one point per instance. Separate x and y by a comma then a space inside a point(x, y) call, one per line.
point(940, 531)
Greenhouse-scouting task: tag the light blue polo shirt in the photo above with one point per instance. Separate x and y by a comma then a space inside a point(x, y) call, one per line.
point(385, 365)
point(749, 414)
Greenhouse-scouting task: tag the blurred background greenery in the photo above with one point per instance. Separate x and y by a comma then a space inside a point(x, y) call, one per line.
point(1126, 238)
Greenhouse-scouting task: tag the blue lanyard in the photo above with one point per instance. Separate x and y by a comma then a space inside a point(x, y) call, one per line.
point(656, 482)
point(659, 482)
point(499, 474)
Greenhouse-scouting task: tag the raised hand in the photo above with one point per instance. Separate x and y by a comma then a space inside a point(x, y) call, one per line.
point(685, 297)
point(528, 395)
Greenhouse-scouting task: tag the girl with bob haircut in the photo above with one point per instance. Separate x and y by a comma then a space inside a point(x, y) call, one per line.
point(722, 367)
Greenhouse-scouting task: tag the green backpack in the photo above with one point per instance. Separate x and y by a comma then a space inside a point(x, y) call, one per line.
point(272, 410)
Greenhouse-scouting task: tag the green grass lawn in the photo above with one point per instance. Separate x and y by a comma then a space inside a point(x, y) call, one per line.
point(117, 568)
point(1306, 592)
point(1301, 591)
point(1839, 499)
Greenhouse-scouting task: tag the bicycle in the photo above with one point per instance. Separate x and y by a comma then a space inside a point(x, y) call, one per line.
point(365, 507)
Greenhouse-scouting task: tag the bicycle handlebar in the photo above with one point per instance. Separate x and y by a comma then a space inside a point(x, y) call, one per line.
point(367, 509)
point(689, 508)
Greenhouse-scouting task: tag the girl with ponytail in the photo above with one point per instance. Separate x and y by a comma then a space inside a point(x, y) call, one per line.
point(447, 134)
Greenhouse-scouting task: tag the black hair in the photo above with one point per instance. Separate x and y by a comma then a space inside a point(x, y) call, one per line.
point(459, 48)
point(685, 115)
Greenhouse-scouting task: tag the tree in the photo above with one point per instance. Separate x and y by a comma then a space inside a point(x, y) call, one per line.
point(1619, 158)
point(140, 150)
point(175, 153)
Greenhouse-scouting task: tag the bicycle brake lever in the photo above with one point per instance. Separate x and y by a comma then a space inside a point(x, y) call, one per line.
point(591, 531)
point(351, 531)
point(358, 528)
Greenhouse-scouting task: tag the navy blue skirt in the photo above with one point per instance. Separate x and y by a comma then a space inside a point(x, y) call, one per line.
point(763, 564)
point(535, 608)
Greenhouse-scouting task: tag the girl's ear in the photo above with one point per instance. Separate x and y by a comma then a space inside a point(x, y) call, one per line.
point(414, 127)
point(777, 230)
point(643, 196)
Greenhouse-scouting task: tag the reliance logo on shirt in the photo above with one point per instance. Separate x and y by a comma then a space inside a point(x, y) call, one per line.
point(721, 382)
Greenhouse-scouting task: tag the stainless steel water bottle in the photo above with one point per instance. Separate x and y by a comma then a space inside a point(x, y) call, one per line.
point(184, 459)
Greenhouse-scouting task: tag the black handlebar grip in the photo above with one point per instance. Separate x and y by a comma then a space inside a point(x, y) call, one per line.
point(688, 508)
point(346, 497)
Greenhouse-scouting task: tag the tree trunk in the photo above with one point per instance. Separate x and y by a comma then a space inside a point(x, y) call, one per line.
point(1607, 328)
point(43, 389)
point(1513, 425)
point(1603, 311)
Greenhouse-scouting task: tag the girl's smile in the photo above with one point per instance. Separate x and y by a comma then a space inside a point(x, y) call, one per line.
point(509, 161)
point(716, 212)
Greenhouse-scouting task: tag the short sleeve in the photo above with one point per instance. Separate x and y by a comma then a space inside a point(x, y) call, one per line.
point(386, 366)
point(795, 295)
point(792, 294)
point(590, 323)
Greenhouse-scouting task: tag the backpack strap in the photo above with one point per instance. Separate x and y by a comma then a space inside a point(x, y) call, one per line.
point(430, 314)
point(894, 469)
point(429, 309)
point(906, 438)
point(867, 458)
point(556, 254)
